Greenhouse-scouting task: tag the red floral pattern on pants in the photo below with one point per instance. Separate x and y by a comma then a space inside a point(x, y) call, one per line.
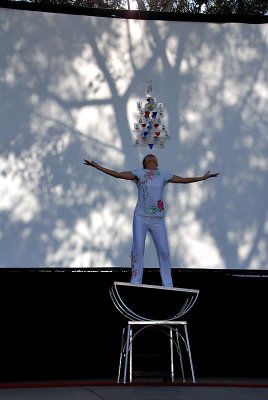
point(133, 264)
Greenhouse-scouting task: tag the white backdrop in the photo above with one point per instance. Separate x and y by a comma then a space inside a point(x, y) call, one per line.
point(68, 89)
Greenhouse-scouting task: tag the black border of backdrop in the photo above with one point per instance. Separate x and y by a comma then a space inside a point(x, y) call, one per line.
point(133, 14)
point(63, 325)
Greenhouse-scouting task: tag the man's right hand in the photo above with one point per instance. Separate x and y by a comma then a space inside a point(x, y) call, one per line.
point(91, 163)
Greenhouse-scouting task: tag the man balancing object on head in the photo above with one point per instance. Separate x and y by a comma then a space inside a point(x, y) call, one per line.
point(149, 213)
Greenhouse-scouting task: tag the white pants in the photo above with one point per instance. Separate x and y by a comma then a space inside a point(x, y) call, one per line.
point(157, 228)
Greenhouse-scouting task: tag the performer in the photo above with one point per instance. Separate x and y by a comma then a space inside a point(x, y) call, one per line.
point(149, 212)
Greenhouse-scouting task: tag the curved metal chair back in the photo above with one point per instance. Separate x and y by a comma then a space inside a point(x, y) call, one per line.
point(190, 297)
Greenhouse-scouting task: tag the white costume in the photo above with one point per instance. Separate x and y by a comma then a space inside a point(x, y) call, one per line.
point(149, 216)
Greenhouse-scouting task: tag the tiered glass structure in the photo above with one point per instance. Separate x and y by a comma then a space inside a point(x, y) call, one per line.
point(150, 129)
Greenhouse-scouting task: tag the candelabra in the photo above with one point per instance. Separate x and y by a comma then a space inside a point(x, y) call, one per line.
point(150, 130)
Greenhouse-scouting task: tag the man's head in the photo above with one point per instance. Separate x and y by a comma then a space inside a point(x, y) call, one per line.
point(150, 162)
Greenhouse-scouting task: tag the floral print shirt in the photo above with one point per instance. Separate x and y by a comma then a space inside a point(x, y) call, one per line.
point(150, 186)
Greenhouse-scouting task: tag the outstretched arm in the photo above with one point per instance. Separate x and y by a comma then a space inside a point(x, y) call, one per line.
point(180, 179)
point(122, 175)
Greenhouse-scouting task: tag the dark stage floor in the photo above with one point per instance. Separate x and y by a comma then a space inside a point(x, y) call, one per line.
point(205, 389)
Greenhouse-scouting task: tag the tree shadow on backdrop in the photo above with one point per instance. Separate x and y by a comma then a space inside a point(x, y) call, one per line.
point(69, 88)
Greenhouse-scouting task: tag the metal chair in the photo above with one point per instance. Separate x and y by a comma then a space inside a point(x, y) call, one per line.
point(175, 329)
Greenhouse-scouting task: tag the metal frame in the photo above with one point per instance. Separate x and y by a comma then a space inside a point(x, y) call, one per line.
point(126, 352)
point(171, 325)
point(192, 295)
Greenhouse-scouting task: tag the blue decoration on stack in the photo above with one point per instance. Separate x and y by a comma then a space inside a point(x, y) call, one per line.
point(150, 129)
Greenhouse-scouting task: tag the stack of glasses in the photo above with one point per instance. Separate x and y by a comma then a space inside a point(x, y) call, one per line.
point(150, 131)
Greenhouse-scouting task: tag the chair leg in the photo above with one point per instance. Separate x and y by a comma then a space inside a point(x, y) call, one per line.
point(121, 355)
point(126, 355)
point(180, 355)
point(171, 354)
point(130, 354)
point(189, 353)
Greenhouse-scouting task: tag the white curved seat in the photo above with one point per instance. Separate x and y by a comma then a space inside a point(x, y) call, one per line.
point(182, 298)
